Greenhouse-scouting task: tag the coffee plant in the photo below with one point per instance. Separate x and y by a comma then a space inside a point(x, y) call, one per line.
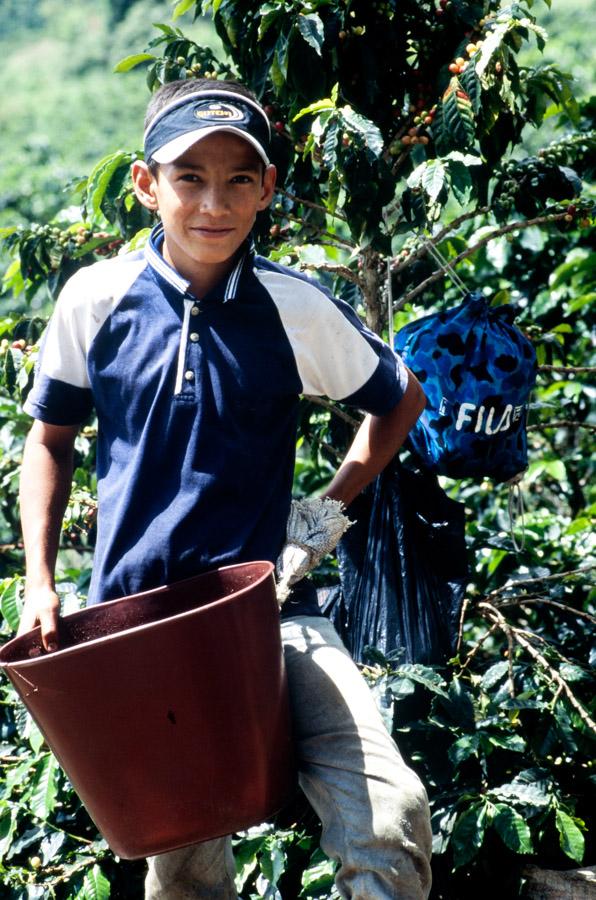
point(399, 134)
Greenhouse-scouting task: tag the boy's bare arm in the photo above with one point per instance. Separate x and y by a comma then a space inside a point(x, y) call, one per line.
point(46, 475)
point(377, 441)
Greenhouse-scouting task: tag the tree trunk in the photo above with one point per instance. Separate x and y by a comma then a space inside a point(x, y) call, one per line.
point(373, 290)
point(548, 884)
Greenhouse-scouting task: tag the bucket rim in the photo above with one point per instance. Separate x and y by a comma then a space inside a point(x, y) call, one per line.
point(95, 642)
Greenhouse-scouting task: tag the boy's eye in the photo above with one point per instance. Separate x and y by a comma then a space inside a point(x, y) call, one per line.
point(193, 178)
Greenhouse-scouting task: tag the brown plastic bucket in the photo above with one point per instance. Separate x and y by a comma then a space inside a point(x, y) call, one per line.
point(168, 710)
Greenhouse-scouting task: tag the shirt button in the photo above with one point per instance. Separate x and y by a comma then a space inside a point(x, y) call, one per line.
point(194, 337)
point(194, 310)
point(189, 375)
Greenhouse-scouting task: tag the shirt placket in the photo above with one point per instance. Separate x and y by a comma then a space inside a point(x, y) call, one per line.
point(189, 336)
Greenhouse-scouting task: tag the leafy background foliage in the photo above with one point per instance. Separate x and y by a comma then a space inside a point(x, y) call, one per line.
point(454, 124)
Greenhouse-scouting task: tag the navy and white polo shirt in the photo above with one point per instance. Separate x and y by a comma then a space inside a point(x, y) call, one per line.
point(197, 405)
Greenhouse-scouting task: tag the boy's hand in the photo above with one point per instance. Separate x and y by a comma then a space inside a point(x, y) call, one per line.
point(42, 606)
point(314, 529)
point(46, 475)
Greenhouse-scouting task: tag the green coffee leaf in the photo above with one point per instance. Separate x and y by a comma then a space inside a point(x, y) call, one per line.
point(318, 880)
point(512, 829)
point(513, 742)
point(167, 30)
point(442, 822)
point(139, 239)
point(493, 675)
point(433, 178)
point(7, 828)
point(461, 182)
point(424, 675)
point(17, 775)
point(100, 178)
point(318, 107)
point(530, 789)
point(34, 735)
point(267, 20)
point(9, 374)
point(571, 672)
point(490, 45)
point(95, 886)
point(363, 127)
point(463, 748)
point(471, 85)
point(459, 705)
point(556, 469)
point(311, 29)
point(272, 861)
point(13, 278)
point(129, 62)
point(570, 837)
point(44, 786)
point(582, 523)
point(458, 115)
point(244, 868)
point(468, 834)
point(51, 845)
point(401, 687)
point(182, 7)
point(282, 57)
point(11, 604)
point(330, 144)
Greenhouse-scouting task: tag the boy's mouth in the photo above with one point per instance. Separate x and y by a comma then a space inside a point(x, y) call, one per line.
point(208, 231)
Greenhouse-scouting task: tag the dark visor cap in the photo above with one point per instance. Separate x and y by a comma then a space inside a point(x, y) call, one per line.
point(195, 116)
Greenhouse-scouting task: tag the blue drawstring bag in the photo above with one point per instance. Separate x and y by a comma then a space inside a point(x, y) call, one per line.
point(477, 371)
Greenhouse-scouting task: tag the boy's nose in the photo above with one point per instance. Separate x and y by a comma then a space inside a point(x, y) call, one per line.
point(213, 201)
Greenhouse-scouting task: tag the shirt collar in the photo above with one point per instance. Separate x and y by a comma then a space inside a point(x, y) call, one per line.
point(166, 271)
point(158, 263)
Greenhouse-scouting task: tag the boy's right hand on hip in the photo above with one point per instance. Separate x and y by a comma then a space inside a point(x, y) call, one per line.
point(42, 607)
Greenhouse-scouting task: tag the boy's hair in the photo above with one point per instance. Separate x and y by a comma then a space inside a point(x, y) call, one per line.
point(174, 89)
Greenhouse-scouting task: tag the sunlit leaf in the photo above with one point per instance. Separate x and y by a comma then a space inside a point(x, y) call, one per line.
point(513, 742)
point(95, 886)
point(7, 828)
point(51, 845)
point(422, 675)
point(442, 822)
point(11, 603)
point(367, 130)
point(101, 176)
point(182, 7)
point(319, 878)
point(311, 29)
point(530, 788)
point(130, 62)
point(493, 675)
point(43, 786)
point(319, 106)
point(433, 178)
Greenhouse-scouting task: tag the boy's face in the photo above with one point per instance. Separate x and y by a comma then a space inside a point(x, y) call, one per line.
point(208, 200)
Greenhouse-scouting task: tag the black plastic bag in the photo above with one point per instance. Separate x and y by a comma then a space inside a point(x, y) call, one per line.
point(403, 569)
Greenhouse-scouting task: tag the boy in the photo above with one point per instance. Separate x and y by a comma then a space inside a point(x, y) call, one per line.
point(194, 353)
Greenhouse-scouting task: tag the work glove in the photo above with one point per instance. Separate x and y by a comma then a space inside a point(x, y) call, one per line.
point(314, 529)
